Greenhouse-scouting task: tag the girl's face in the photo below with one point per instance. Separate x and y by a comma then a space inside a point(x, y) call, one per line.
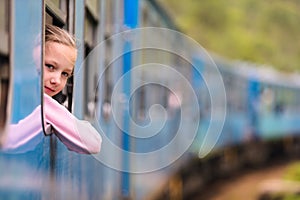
point(59, 64)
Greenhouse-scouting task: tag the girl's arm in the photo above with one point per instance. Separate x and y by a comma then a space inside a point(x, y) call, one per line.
point(78, 135)
point(25, 135)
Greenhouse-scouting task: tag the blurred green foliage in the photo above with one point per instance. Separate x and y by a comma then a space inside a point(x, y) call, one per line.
point(291, 197)
point(293, 172)
point(265, 32)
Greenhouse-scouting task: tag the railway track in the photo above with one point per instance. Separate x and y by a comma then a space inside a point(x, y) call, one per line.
point(248, 184)
point(234, 171)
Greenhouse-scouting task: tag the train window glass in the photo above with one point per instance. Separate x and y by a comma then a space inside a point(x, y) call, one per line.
point(2, 14)
point(91, 62)
point(109, 18)
point(243, 105)
point(56, 2)
point(142, 107)
point(4, 85)
point(4, 64)
point(58, 11)
point(106, 107)
point(144, 17)
point(4, 27)
point(89, 30)
point(90, 88)
point(92, 6)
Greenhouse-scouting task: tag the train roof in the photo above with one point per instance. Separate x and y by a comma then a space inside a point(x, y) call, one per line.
point(267, 74)
point(263, 73)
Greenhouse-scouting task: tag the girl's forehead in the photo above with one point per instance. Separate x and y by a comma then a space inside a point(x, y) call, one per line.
point(60, 53)
point(52, 45)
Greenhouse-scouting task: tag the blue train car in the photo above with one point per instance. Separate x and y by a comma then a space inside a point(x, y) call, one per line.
point(43, 167)
point(260, 102)
point(155, 96)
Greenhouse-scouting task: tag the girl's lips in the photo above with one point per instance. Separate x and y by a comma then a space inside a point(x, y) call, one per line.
point(49, 89)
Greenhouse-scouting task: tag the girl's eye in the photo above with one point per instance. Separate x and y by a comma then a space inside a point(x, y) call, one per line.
point(51, 67)
point(65, 74)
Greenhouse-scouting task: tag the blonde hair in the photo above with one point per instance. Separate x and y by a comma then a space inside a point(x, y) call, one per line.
point(56, 34)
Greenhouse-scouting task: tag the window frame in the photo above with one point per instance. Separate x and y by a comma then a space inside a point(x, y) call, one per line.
point(5, 68)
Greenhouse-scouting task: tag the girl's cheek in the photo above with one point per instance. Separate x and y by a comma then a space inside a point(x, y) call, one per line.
point(64, 82)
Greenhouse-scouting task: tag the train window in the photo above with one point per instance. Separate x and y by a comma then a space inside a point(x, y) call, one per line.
point(106, 107)
point(113, 24)
point(56, 12)
point(92, 6)
point(4, 27)
point(91, 63)
point(109, 18)
point(4, 86)
point(89, 30)
point(144, 17)
point(4, 64)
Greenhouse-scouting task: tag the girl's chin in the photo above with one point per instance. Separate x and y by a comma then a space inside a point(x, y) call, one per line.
point(49, 94)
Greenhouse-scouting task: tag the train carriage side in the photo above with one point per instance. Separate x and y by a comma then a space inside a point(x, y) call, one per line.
point(25, 167)
point(164, 117)
point(35, 170)
point(45, 168)
point(278, 105)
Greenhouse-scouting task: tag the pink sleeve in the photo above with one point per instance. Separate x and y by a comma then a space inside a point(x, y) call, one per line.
point(25, 135)
point(78, 135)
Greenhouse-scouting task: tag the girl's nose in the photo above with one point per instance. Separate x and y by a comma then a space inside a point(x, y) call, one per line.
point(55, 79)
